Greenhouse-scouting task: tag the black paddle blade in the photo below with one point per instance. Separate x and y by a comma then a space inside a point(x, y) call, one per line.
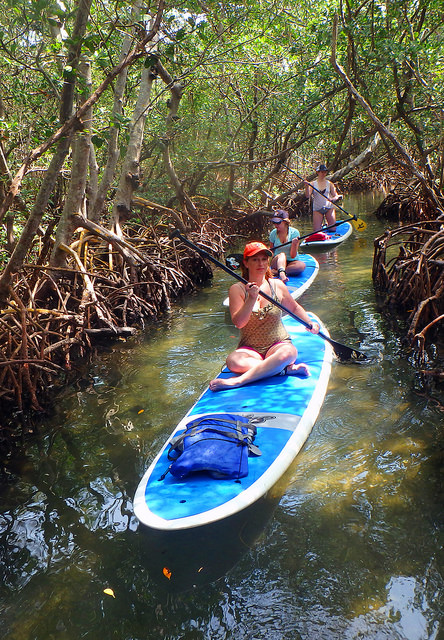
point(343, 352)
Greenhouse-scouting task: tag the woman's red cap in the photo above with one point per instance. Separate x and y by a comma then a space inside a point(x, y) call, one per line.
point(255, 247)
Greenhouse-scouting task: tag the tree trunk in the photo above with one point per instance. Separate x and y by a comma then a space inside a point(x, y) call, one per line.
point(92, 188)
point(405, 97)
point(181, 195)
point(5, 178)
point(253, 134)
point(358, 161)
point(97, 206)
point(130, 176)
point(21, 249)
point(346, 128)
point(176, 90)
point(66, 108)
point(77, 185)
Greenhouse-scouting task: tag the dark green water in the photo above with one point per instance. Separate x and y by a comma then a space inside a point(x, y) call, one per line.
point(348, 547)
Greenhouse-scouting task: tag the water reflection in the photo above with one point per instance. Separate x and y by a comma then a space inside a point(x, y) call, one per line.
point(351, 549)
point(182, 560)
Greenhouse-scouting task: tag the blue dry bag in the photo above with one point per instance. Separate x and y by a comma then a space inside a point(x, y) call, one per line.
point(217, 444)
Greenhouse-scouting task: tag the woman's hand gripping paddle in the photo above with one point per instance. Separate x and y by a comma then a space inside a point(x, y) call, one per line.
point(341, 350)
point(358, 224)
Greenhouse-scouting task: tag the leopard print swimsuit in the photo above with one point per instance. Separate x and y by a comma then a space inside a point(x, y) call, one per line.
point(264, 328)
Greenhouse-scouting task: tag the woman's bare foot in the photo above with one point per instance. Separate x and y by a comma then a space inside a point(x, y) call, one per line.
point(300, 369)
point(223, 383)
point(282, 275)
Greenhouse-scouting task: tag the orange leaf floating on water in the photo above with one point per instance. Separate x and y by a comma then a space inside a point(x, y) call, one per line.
point(167, 573)
point(109, 592)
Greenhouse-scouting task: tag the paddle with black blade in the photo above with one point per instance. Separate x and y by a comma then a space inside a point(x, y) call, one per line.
point(234, 260)
point(341, 350)
point(359, 224)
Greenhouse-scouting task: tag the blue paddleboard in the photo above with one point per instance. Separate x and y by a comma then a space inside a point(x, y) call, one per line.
point(343, 230)
point(284, 409)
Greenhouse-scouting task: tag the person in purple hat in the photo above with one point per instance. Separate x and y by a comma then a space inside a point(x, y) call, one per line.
point(322, 206)
point(285, 260)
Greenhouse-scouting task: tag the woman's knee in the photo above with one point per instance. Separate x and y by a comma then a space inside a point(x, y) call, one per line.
point(239, 361)
point(277, 260)
point(296, 266)
point(291, 351)
point(285, 352)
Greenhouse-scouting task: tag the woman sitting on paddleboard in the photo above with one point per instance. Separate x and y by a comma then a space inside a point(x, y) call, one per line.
point(322, 205)
point(285, 260)
point(264, 349)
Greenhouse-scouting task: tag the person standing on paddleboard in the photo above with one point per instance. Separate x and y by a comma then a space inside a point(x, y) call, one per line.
point(285, 261)
point(265, 348)
point(322, 205)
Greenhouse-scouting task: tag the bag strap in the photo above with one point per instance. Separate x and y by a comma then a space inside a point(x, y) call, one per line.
point(176, 444)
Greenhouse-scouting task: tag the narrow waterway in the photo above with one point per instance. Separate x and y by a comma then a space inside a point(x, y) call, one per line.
point(348, 546)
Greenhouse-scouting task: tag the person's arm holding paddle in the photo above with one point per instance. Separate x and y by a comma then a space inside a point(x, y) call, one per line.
point(241, 306)
point(265, 349)
point(323, 193)
point(335, 195)
point(342, 351)
point(294, 248)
